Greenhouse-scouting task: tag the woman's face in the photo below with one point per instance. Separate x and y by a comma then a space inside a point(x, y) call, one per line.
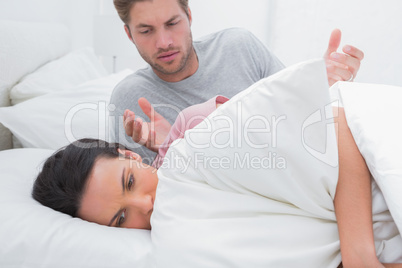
point(120, 192)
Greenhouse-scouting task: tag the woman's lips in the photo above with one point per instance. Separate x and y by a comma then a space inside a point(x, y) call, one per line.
point(168, 56)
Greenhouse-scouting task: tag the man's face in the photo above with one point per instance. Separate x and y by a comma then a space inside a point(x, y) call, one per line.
point(161, 31)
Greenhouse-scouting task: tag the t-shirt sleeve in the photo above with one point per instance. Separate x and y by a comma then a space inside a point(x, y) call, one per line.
point(243, 56)
point(187, 119)
point(266, 61)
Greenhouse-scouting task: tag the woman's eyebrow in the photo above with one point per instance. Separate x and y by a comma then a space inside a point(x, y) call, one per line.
point(123, 190)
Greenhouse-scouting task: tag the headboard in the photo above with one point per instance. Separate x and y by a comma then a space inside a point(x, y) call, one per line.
point(24, 47)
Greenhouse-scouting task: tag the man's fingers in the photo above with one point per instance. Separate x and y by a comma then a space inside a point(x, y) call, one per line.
point(334, 41)
point(332, 81)
point(354, 52)
point(128, 123)
point(352, 64)
point(338, 72)
point(152, 143)
point(146, 107)
point(341, 66)
point(137, 131)
point(134, 127)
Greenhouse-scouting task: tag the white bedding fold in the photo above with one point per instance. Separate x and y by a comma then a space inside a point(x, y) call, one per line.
point(373, 113)
point(253, 185)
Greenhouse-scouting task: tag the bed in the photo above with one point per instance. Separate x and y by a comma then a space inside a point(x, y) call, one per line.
point(52, 95)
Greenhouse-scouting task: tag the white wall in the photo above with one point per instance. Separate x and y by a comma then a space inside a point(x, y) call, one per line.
point(214, 15)
point(295, 30)
point(301, 28)
point(77, 15)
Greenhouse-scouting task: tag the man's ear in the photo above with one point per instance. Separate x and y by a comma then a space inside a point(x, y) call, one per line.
point(130, 154)
point(190, 18)
point(128, 32)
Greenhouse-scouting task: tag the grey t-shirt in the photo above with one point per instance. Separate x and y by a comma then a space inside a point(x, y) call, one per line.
point(229, 62)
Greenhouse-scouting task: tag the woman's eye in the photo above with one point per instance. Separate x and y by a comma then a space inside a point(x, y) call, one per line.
point(122, 218)
point(130, 182)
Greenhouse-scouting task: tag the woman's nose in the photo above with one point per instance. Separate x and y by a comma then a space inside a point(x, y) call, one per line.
point(143, 204)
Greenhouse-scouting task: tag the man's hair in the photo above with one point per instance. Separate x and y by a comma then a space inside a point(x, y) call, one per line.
point(61, 183)
point(123, 8)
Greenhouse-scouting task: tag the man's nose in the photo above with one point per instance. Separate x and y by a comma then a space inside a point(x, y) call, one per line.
point(164, 40)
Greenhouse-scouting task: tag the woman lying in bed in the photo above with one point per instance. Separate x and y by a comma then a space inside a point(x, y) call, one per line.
point(86, 187)
point(107, 184)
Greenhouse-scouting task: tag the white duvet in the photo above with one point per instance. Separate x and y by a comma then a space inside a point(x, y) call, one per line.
point(253, 185)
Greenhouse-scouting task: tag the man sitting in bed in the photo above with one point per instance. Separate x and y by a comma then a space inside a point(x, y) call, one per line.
point(184, 73)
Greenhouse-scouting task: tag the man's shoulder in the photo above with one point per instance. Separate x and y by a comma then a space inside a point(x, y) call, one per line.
point(236, 32)
point(229, 34)
point(134, 82)
point(231, 39)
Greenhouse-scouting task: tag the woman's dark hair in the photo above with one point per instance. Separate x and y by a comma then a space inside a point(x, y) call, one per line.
point(61, 183)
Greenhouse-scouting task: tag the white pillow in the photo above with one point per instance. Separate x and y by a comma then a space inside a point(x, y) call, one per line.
point(69, 71)
point(24, 46)
point(36, 236)
point(56, 119)
point(373, 113)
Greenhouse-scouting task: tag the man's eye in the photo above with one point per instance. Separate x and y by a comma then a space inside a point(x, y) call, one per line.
point(144, 32)
point(122, 218)
point(130, 182)
point(173, 23)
